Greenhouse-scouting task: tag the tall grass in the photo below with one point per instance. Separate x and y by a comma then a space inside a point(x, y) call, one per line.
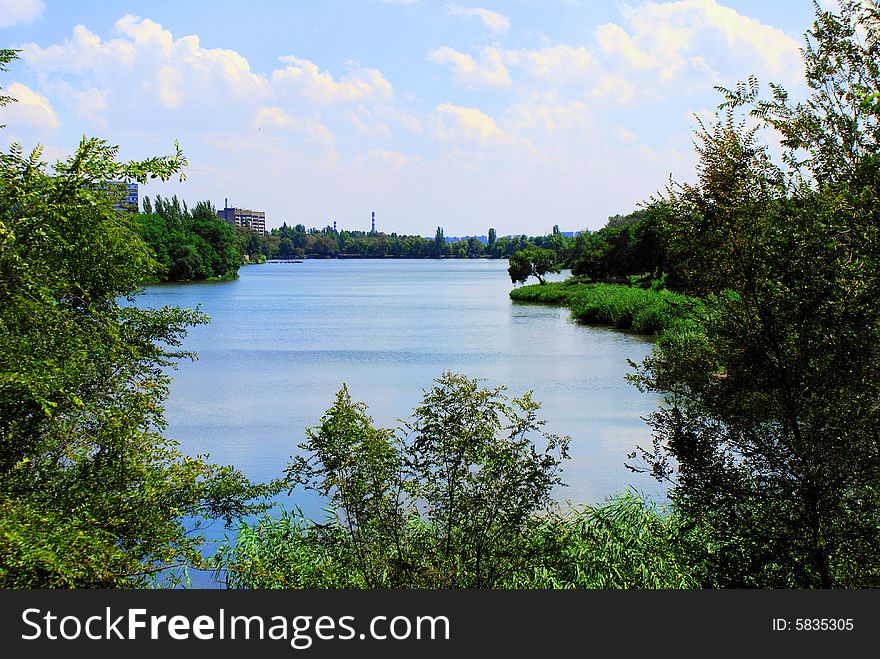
point(641, 310)
point(625, 542)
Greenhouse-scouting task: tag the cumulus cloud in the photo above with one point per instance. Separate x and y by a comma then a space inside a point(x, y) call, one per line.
point(143, 71)
point(366, 124)
point(616, 42)
point(91, 104)
point(82, 52)
point(669, 39)
point(550, 115)
point(276, 131)
point(321, 87)
point(560, 63)
point(469, 124)
point(274, 117)
point(614, 89)
point(31, 109)
point(488, 72)
point(13, 12)
point(166, 70)
point(498, 24)
point(391, 158)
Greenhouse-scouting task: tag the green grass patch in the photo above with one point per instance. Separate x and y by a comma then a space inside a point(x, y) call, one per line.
point(641, 310)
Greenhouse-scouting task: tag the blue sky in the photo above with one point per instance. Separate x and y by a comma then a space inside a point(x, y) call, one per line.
point(516, 115)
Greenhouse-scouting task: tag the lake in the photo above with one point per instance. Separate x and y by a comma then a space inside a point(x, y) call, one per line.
point(285, 336)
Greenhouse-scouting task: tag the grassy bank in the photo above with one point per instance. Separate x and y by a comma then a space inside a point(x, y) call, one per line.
point(625, 542)
point(641, 310)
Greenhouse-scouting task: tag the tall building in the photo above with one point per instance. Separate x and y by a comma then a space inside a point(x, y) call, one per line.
point(129, 199)
point(244, 217)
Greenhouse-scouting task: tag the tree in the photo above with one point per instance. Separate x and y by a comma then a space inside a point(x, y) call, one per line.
point(445, 501)
point(191, 245)
point(531, 262)
point(772, 416)
point(91, 494)
point(492, 238)
point(6, 56)
point(439, 248)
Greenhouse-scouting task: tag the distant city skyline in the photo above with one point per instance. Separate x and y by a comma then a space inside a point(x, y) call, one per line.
point(513, 115)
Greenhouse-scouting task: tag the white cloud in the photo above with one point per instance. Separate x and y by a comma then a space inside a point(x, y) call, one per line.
point(406, 120)
point(31, 109)
point(320, 86)
point(171, 85)
point(556, 64)
point(13, 12)
point(276, 132)
point(551, 115)
point(614, 89)
point(489, 72)
point(467, 124)
point(616, 42)
point(498, 24)
point(553, 65)
point(671, 38)
point(82, 52)
point(392, 158)
point(91, 104)
point(625, 135)
point(366, 124)
point(270, 117)
point(145, 74)
point(172, 71)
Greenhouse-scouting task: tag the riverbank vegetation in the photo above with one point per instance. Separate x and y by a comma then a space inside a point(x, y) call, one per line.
point(641, 310)
point(457, 497)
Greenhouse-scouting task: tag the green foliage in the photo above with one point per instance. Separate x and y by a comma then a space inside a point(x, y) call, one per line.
point(626, 246)
point(289, 551)
point(446, 501)
point(91, 494)
point(298, 242)
point(6, 56)
point(645, 311)
point(625, 542)
point(772, 413)
point(532, 262)
point(191, 245)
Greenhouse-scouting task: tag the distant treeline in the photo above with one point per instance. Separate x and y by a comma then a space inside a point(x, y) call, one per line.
point(299, 242)
point(193, 244)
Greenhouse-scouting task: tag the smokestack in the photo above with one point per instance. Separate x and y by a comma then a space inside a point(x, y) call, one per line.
point(334, 225)
point(374, 222)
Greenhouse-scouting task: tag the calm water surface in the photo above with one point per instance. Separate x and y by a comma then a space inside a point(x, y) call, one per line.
point(286, 336)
